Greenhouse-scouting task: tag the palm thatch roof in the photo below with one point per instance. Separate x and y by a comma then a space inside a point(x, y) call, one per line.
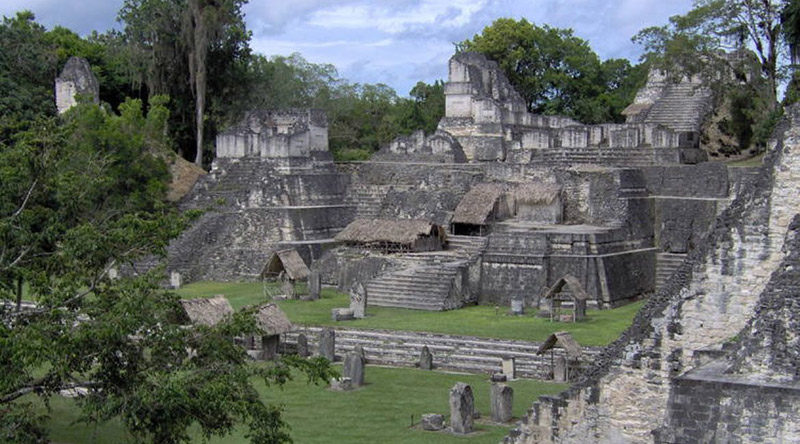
point(272, 320)
point(207, 311)
point(533, 193)
point(476, 206)
point(289, 261)
point(574, 285)
point(398, 231)
point(564, 340)
point(636, 108)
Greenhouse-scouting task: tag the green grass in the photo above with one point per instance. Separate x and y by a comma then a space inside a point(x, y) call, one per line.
point(601, 327)
point(378, 412)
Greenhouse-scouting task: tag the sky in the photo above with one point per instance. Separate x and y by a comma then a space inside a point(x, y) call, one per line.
point(395, 42)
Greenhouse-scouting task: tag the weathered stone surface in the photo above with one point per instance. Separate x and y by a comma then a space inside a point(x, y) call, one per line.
point(462, 408)
point(342, 314)
point(498, 377)
point(342, 384)
point(76, 78)
point(518, 306)
point(175, 280)
point(648, 381)
point(560, 369)
point(510, 367)
point(287, 288)
point(314, 285)
point(501, 402)
point(425, 359)
point(302, 345)
point(354, 364)
point(327, 343)
point(358, 300)
point(432, 422)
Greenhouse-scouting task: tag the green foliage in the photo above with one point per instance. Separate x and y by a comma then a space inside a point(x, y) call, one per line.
point(27, 68)
point(556, 72)
point(81, 195)
point(692, 44)
point(192, 50)
point(361, 118)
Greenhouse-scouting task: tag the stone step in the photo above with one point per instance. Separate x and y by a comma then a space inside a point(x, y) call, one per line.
point(455, 353)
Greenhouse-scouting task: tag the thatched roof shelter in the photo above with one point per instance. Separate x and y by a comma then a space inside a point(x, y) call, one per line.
point(403, 232)
point(537, 193)
point(564, 340)
point(288, 261)
point(636, 108)
point(477, 205)
point(574, 285)
point(207, 311)
point(272, 320)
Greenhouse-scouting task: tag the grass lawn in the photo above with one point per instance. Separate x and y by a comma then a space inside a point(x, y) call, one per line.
point(378, 412)
point(601, 327)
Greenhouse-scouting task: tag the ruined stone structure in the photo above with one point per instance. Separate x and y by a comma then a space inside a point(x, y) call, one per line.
point(534, 198)
point(273, 186)
point(617, 206)
point(76, 79)
point(713, 356)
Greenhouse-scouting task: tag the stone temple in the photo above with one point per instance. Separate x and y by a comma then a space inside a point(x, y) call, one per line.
point(521, 200)
point(503, 207)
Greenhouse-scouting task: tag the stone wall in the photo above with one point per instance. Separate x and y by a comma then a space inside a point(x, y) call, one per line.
point(259, 201)
point(275, 134)
point(489, 119)
point(712, 298)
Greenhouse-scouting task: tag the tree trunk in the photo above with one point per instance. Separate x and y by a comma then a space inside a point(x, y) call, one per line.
point(19, 293)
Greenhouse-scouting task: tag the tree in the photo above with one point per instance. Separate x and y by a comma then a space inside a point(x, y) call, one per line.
point(82, 195)
point(183, 48)
point(554, 71)
point(692, 44)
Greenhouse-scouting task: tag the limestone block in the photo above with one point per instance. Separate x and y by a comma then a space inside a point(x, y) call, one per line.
point(327, 344)
point(302, 345)
point(342, 314)
point(175, 280)
point(341, 385)
point(502, 399)
point(314, 285)
point(517, 306)
point(425, 359)
point(287, 288)
point(560, 369)
point(358, 300)
point(462, 408)
point(432, 422)
point(510, 367)
point(354, 368)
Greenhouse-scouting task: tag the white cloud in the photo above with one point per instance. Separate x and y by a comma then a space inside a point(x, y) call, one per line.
point(397, 42)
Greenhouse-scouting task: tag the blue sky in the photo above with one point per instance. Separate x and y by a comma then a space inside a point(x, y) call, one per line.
point(396, 42)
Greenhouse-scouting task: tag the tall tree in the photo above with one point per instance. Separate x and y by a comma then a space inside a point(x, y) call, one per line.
point(82, 194)
point(554, 71)
point(691, 43)
point(183, 47)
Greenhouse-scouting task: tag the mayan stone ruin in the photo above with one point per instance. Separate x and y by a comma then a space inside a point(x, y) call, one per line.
point(76, 79)
point(506, 208)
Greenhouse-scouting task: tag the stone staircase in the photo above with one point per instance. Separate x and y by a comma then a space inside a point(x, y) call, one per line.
point(367, 200)
point(681, 107)
point(421, 287)
point(611, 156)
point(666, 264)
point(466, 354)
point(430, 280)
